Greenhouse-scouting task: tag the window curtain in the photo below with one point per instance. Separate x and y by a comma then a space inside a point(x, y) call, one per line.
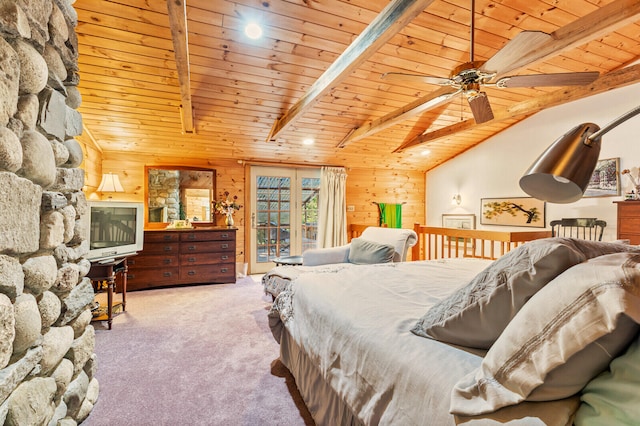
point(332, 211)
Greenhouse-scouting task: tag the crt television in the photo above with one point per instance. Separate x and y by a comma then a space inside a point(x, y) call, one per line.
point(115, 229)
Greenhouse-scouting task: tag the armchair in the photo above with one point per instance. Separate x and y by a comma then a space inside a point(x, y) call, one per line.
point(400, 239)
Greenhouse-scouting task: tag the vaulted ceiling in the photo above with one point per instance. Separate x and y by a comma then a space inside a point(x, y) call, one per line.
point(164, 79)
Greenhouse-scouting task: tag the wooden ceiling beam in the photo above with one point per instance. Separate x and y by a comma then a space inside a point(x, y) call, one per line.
point(596, 24)
point(613, 80)
point(603, 20)
point(178, 22)
point(387, 24)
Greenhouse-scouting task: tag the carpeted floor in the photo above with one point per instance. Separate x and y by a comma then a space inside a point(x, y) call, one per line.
point(198, 355)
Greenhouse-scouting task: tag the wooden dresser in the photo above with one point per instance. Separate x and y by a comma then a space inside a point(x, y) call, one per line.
point(629, 221)
point(184, 256)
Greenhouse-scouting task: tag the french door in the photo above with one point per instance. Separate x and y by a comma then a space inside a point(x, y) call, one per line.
point(284, 213)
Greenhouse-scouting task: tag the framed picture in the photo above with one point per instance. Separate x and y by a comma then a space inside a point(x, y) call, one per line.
point(515, 211)
point(459, 221)
point(605, 181)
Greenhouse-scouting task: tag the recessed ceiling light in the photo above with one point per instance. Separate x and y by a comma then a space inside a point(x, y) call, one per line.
point(425, 152)
point(308, 141)
point(253, 30)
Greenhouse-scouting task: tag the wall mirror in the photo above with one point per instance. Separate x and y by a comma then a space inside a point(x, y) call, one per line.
point(178, 193)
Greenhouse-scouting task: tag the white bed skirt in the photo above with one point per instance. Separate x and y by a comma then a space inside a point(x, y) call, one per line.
point(325, 406)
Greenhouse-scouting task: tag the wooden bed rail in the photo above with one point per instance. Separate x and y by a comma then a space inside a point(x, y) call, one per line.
point(439, 243)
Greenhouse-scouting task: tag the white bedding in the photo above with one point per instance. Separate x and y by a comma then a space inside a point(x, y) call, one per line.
point(354, 325)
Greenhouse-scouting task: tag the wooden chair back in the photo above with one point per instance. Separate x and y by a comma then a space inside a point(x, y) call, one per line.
point(585, 228)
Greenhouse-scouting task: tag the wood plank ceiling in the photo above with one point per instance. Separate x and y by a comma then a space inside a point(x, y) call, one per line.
point(239, 89)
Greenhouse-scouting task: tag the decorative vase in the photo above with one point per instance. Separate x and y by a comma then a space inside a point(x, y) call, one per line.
point(228, 220)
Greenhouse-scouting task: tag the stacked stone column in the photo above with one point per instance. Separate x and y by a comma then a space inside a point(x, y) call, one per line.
point(47, 359)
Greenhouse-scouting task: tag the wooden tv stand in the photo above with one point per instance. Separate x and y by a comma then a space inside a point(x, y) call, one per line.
point(184, 256)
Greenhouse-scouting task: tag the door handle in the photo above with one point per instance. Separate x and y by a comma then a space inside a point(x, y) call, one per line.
point(253, 220)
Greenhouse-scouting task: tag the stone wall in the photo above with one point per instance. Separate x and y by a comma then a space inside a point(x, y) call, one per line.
point(47, 359)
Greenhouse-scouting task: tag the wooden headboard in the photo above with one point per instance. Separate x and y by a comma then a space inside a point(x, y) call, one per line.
point(440, 243)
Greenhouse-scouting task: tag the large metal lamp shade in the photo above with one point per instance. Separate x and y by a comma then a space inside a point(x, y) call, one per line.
point(561, 174)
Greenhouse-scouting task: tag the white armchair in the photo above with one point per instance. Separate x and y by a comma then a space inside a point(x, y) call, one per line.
point(400, 239)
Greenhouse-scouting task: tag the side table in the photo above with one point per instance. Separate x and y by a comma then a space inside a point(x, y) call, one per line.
point(288, 260)
point(109, 270)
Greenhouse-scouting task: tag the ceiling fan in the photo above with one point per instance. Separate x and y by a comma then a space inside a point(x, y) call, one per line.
point(470, 77)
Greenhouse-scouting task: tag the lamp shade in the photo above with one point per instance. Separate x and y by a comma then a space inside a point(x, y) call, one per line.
point(561, 174)
point(110, 183)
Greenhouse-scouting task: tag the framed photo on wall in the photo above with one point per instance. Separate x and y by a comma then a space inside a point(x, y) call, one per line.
point(605, 181)
point(515, 211)
point(459, 221)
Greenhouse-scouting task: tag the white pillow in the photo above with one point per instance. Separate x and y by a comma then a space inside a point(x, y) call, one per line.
point(562, 337)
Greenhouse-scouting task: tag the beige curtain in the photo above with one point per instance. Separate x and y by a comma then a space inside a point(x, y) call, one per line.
point(332, 209)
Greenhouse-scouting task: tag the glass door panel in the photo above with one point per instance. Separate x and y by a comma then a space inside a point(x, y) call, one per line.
point(284, 216)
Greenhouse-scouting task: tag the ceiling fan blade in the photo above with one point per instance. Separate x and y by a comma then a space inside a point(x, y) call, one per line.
point(416, 78)
point(521, 44)
point(539, 80)
point(480, 107)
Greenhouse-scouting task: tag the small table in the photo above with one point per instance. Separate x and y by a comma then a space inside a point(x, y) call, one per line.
point(288, 260)
point(108, 270)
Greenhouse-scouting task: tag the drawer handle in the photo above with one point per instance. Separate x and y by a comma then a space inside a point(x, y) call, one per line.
point(131, 276)
point(225, 235)
point(192, 236)
point(191, 248)
point(224, 246)
point(168, 248)
point(224, 270)
point(166, 261)
point(166, 274)
point(191, 273)
point(166, 237)
point(224, 257)
point(191, 259)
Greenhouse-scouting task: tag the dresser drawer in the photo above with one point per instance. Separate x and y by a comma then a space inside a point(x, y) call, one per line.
point(207, 247)
point(205, 258)
point(153, 261)
point(208, 273)
point(208, 236)
point(160, 248)
point(151, 277)
point(161, 237)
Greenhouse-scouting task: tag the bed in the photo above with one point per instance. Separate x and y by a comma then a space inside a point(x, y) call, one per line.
point(463, 339)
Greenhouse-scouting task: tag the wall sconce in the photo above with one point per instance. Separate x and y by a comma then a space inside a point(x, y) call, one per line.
point(110, 183)
point(456, 200)
point(561, 174)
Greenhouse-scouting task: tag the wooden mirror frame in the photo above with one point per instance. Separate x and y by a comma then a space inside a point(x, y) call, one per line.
point(160, 225)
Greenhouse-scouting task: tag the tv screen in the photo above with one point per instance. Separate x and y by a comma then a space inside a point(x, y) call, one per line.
point(115, 229)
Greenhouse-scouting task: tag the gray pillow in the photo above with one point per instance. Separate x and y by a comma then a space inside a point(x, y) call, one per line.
point(563, 337)
point(475, 315)
point(363, 252)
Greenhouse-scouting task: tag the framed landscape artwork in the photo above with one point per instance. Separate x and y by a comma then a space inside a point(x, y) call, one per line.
point(605, 181)
point(516, 211)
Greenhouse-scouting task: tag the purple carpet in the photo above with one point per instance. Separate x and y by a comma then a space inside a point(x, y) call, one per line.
point(198, 355)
